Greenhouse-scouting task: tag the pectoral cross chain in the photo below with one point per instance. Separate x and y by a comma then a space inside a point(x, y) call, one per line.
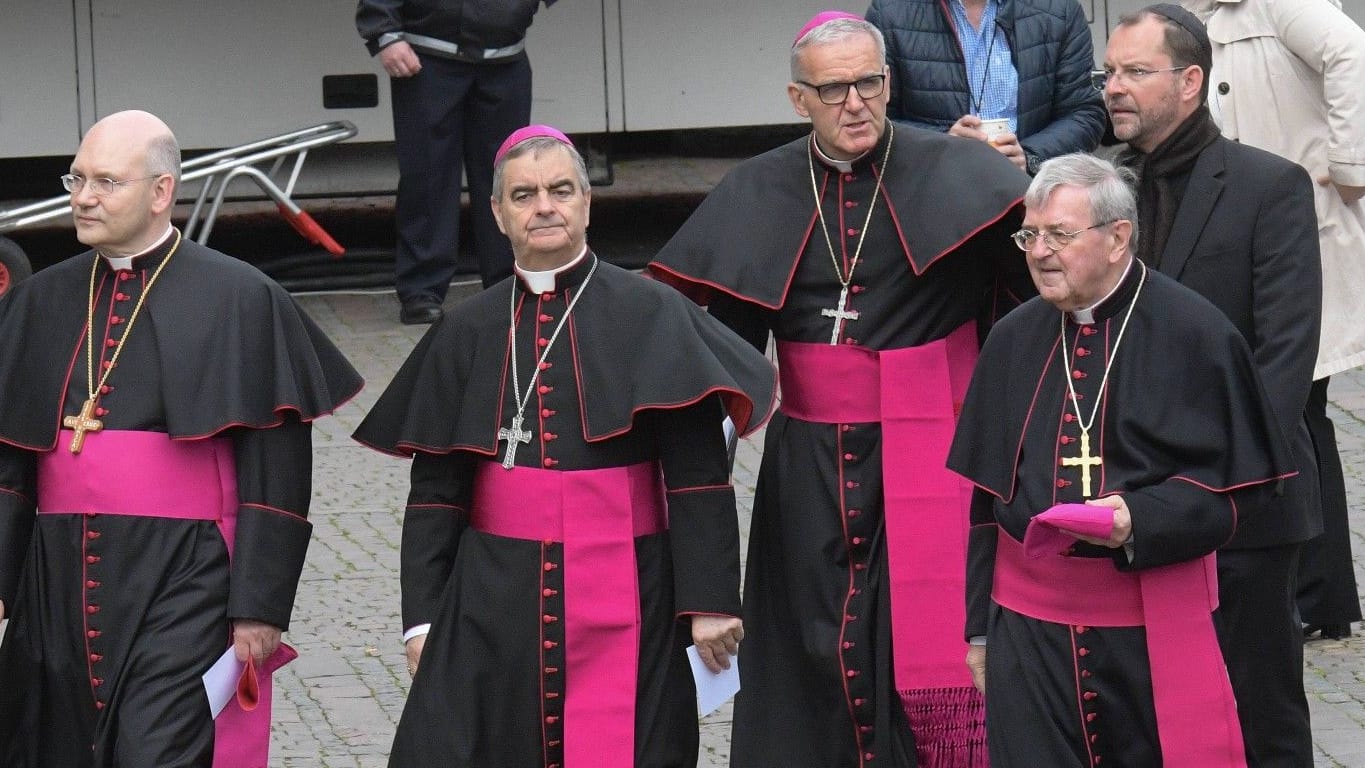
point(85, 422)
point(840, 314)
point(513, 436)
point(1085, 461)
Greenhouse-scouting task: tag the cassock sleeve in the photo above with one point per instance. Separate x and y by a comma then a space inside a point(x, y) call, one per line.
point(18, 480)
point(703, 525)
point(981, 541)
point(274, 488)
point(750, 322)
point(436, 516)
point(1176, 520)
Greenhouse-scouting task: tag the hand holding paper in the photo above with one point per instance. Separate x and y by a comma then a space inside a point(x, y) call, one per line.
point(713, 688)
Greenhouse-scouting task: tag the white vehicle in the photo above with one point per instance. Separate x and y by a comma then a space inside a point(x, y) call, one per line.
point(230, 72)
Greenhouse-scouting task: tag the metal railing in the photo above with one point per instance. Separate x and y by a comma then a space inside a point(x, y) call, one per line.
point(218, 169)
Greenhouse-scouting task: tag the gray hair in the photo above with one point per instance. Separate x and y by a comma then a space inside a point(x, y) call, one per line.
point(163, 156)
point(836, 31)
point(535, 146)
point(1110, 188)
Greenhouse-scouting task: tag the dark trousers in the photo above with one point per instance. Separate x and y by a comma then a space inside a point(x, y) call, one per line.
point(448, 119)
point(1327, 579)
point(1262, 643)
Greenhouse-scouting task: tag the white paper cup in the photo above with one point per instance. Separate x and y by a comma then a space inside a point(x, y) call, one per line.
point(995, 128)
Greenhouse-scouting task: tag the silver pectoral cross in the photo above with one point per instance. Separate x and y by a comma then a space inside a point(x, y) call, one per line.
point(840, 314)
point(513, 436)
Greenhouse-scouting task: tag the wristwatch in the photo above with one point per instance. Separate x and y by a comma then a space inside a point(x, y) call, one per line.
point(1031, 163)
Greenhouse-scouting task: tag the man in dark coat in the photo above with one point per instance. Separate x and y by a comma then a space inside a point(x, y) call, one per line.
point(157, 405)
point(868, 250)
point(460, 81)
point(1114, 445)
point(957, 62)
point(1237, 225)
point(571, 526)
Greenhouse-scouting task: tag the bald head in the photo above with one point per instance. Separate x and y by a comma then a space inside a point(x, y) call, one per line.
point(137, 150)
point(145, 132)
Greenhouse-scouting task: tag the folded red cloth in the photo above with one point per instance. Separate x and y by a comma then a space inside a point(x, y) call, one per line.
point(1055, 530)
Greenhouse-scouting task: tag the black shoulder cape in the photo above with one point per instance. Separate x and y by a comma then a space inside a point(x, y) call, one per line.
point(747, 236)
point(233, 346)
point(1183, 400)
point(637, 345)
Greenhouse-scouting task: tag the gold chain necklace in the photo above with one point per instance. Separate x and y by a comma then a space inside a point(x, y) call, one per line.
point(841, 313)
point(1085, 460)
point(516, 434)
point(86, 421)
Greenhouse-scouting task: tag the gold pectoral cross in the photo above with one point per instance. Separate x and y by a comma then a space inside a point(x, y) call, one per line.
point(513, 436)
point(1085, 461)
point(85, 422)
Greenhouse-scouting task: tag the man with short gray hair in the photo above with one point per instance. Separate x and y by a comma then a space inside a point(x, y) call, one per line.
point(869, 250)
point(571, 527)
point(1114, 429)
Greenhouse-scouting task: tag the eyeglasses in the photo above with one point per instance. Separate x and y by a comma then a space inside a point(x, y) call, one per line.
point(101, 187)
point(1101, 77)
point(1055, 240)
point(837, 93)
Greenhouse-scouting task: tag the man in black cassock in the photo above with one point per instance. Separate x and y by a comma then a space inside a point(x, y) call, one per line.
point(868, 250)
point(1237, 225)
point(156, 416)
point(571, 527)
point(1115, 444)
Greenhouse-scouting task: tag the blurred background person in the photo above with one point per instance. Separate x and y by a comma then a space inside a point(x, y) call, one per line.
point(1014, 73)
point(1289, 76)
point(460, 82)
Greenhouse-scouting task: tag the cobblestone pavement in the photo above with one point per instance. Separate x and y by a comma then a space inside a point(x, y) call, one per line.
point(339, 703)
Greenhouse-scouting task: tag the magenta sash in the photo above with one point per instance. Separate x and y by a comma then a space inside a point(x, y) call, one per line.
point(147, 474)
point(916, 394)
point(1196, 713)
point(597, 514)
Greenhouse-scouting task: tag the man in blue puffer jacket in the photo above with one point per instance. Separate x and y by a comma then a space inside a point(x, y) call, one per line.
point(1027, 62)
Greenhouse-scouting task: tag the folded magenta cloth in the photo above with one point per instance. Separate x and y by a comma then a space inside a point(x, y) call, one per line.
point(1054, 530)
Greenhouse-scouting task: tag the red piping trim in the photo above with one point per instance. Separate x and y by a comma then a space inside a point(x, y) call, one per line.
point(276, 510)
point(1080, 701)
point(451, 507)
point(13, 492)
point(696, 488)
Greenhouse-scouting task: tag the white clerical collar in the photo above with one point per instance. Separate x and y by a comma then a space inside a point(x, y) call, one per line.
point(842, 166)
point(1087, 316)
point(544, 282)
point(126, 262)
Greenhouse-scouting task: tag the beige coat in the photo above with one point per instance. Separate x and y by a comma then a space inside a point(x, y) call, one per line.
point(1289, 77)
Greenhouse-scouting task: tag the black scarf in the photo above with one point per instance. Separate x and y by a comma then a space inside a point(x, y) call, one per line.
point(1162, 174)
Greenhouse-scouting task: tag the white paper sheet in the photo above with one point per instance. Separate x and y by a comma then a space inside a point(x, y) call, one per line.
point(220, 682)
point(713, 689)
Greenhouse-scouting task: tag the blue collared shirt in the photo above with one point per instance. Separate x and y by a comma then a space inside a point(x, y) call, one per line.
point(993, 85)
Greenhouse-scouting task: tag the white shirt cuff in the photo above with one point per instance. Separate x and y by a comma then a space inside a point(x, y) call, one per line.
point(417, 631)
point(977, 640)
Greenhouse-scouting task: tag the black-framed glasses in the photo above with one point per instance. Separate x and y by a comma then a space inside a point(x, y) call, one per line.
point(1054, 239)
point(868, 87)
point(1099, 78)
point(101, 186)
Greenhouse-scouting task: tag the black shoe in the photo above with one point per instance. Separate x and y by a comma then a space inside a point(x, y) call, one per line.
point(420, 311)
point(1328, 631)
